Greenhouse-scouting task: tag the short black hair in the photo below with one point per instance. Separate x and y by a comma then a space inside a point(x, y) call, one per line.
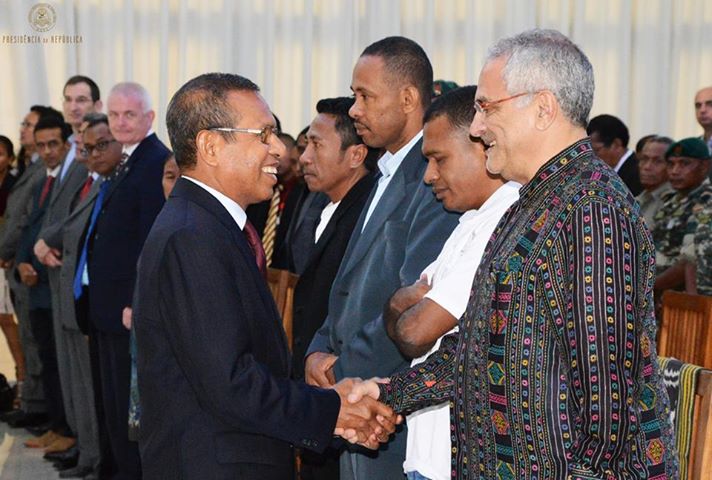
point(51, 121)
point(609, 128)
point(7, 143)
point(93, 87)
point(198, 105)
point(93, 119)
point(339, 108)
point(456, 105)
point(285, 137)
point(406, 61)
point(43, 111)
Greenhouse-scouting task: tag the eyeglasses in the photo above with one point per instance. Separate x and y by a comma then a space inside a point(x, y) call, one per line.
point(27, 124)
point(99, 147)
point(52, 145)
point(482, 106)
point(265, 133)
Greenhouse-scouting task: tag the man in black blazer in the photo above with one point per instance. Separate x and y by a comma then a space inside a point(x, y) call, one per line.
point(334, 163)
point(126, 206)
point(609, 139)
point(213, 363)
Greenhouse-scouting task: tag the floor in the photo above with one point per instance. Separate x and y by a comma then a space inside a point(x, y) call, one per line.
point(16, 461)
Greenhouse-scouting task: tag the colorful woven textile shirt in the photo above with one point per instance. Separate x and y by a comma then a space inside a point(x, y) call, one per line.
point(554, 373)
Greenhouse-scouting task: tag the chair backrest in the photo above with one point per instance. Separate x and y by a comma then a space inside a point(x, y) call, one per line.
point(281, 284)
point(686, 328)
point(700, 466)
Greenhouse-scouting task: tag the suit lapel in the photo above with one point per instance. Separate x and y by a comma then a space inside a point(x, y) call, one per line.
point(196, 194)
point(397, 189)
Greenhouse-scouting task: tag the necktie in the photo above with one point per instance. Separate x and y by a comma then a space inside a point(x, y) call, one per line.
point(81, 265)
point(46, 188)
point(86, 188)
point(253, 239)
point(270, 231)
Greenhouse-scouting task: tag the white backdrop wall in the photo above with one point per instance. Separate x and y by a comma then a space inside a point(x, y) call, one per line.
point(649, 56)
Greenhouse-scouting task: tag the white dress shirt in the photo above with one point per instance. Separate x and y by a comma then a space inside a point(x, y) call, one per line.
point(622, 160)
point(451, 276)
point(326, 215)
point(388, 164)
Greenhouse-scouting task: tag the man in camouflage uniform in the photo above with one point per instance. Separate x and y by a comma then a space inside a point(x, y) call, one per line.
point(688, 164)
point(702, 267)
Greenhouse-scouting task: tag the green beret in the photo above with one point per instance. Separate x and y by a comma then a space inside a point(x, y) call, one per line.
point(441, 87)
point(691, 147)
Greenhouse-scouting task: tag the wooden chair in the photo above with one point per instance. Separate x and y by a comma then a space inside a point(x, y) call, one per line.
point(281, 284)
point(686, 328)
point(700, 466)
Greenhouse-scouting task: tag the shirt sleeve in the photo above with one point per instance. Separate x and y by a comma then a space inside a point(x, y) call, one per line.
point(425, 384)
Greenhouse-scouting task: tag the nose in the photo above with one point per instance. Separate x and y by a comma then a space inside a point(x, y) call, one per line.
point(276, 148)
point(431, 172)
point(306, 157)
point(477, 127)
point(355, 110)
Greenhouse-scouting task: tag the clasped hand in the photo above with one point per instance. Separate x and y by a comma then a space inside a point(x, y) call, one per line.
point(362, 419)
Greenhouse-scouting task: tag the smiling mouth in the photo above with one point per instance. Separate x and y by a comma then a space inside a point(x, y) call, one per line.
point(270, 170)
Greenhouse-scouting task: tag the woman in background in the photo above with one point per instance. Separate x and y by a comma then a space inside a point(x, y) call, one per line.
point(7, 313)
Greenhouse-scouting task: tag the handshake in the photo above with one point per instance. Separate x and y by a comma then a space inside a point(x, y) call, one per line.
point(362, 418)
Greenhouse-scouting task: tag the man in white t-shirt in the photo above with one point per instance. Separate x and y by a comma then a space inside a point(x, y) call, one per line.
point(417, 316)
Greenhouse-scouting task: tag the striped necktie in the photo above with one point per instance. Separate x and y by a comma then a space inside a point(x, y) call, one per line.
point(270, 231)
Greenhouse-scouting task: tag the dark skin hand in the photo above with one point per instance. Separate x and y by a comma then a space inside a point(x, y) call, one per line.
point(415, 323)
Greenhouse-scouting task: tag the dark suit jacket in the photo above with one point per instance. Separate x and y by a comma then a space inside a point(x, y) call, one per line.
point(129, 209)
point(19, 206)
point(39, 294)
point(311, 295)
point(213, 363)
point(630, 175)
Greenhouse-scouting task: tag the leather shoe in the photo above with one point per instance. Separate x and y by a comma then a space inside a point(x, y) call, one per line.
point(28, 420)
point(80, 471)
point(66, 464)
point(44, 441)
point(54, 456)
point(39, 430)
point(12, 414)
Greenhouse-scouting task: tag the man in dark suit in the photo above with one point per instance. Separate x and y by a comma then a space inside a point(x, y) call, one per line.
point(609, 139)
point(400, 231)
point(103, 156)
point(126, 206)
point(52, 143)
point(334, 163)
point(19, 204)
point(213, 363)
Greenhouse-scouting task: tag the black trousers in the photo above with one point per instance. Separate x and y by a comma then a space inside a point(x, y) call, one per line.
point(114, 371)
point(43, 331)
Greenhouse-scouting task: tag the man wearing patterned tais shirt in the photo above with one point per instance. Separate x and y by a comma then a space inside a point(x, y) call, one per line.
point(554, 373)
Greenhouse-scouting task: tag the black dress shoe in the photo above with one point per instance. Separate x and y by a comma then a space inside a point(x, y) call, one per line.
point(11, 415)
point(76, 472)
point(66, 464)
point(28, 420)
point(54, 456)
point(39, 430)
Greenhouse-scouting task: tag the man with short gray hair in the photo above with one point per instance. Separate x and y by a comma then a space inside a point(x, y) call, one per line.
point(126, 205)
point(554, 372)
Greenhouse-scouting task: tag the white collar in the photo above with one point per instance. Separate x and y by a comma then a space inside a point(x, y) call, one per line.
point(390, 162)
point(129, 149)
point(622, 160)
point(232, 207)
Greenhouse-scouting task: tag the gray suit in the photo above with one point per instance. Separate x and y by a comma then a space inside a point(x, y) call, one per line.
point(405, 233)
point(72, 345)
point(19, 206)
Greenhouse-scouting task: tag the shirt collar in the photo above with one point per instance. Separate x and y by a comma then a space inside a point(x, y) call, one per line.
point(555, 165)
point(494, 199)
point(129, 149)
point(232, 207)
point(622, 160)
point(54, 171)
point(390, 162)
